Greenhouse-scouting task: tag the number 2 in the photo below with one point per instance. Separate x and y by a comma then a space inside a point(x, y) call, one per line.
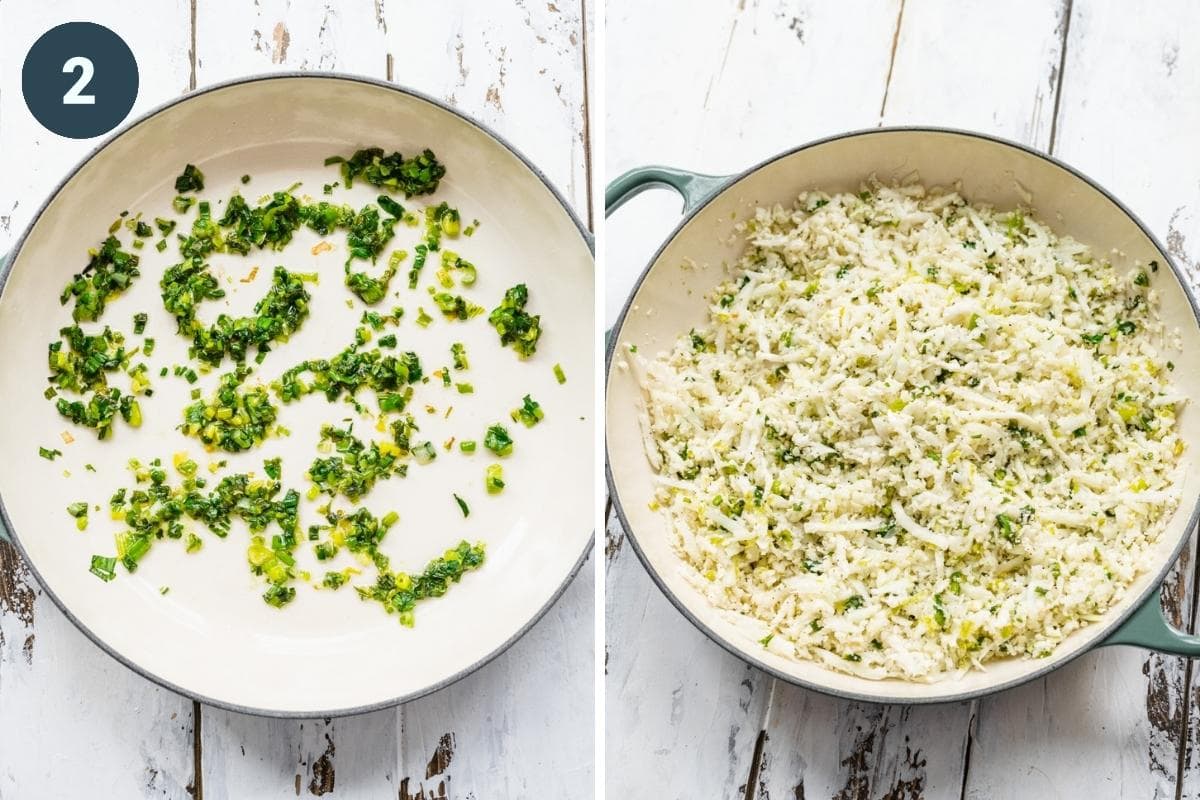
point(86, 70)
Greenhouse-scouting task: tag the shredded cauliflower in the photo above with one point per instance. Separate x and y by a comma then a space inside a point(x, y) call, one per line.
point(916, 434)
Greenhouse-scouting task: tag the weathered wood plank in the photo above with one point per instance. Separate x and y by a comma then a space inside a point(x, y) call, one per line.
point(73, 721)
point(1110, 725)
point(246, 756)
point(592, 64)
point(818, 746)
point(271, 35)
point(1004, 82)
point(682, 714)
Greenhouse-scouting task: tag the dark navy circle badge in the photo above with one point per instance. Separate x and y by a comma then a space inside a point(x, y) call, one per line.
point(79, 80)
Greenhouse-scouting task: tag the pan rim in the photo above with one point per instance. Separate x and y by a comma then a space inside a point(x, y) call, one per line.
point(1152, 587)
point(6, 271)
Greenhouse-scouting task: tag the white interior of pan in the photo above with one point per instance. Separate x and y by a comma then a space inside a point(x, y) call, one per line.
point(211, 634)
point(670, 301)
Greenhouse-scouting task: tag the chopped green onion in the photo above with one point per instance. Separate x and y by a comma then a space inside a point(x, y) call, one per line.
point(411, 176)
point(190, 180)
point(529, 414)
point(354, 467)
point(109, 272)
point(494, 479)
point(104, 567)
point(424, 452)
point(515, 326)
point(498, 441)
point(232, 419)
point(458, 352)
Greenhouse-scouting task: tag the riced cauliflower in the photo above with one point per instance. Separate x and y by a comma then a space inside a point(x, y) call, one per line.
point(916, 434)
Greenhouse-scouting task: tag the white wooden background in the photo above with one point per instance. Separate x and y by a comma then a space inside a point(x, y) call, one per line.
point(715, 86)
point(76, 724)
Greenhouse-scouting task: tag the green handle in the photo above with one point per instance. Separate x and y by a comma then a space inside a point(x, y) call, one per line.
point(1149, 628)
point(693, 187)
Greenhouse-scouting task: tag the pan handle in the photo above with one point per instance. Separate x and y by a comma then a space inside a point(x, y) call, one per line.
point(693, 187)
point(1149, 628)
